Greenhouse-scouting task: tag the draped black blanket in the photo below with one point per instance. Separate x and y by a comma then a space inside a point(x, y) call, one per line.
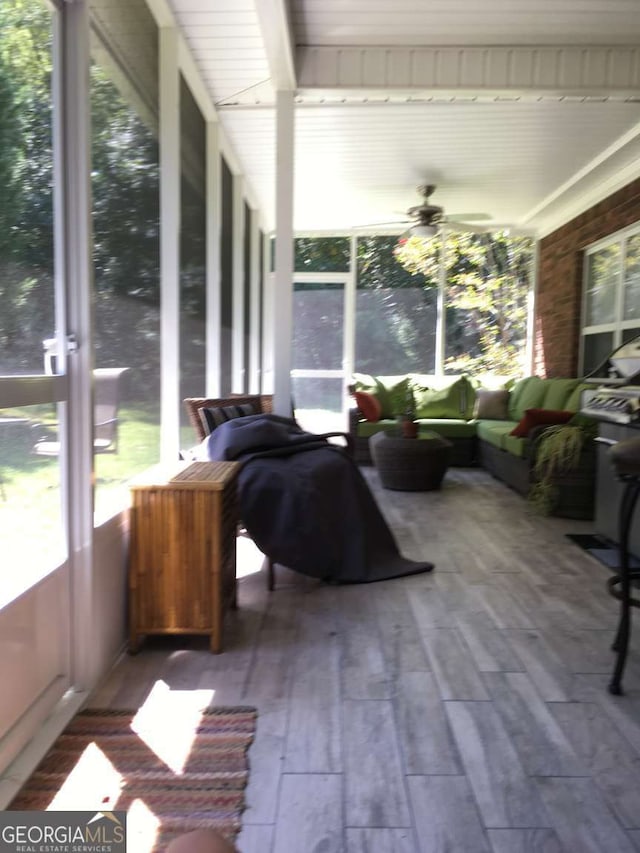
point(305, 503)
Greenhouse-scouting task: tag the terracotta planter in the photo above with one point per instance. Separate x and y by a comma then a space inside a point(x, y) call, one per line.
point(409, 429)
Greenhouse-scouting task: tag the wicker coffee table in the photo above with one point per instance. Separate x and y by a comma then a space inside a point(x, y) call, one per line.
point(410, 464)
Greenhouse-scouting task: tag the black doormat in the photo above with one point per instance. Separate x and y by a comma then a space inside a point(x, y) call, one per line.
point(602, 549)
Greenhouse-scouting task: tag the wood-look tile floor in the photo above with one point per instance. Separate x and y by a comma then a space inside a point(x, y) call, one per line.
point(463, 711)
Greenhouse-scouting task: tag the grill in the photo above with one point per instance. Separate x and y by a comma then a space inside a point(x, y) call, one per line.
point(615, 401)
point(620, 405)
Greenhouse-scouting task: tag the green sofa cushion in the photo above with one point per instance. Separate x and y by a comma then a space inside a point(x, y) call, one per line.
point(391, 391)
point(526, 394)
point(516, 446)
point(454, 400)
point(573, 401)
point(557, 392)
point(494, 432)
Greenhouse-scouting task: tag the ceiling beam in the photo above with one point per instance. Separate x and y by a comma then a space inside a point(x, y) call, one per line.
point(273, 18)
point(564, 70)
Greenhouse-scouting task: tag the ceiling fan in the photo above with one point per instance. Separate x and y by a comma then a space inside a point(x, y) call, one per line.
point(425, 219)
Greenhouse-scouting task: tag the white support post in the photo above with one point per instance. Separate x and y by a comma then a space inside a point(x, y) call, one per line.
point(169, 243)
point(349, 332)
point(237, 313)
point(441, 308)
point(214, 219)
point(268, 320)
point(282, 316)
point(77, 421)
point(254, 342)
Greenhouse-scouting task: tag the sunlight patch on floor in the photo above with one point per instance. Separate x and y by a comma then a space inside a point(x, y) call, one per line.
point(142, 827)
point(168, 720)
point(249, 558)
point(93, 783)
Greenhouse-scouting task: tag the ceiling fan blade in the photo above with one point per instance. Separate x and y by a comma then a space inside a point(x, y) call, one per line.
point(383, 224)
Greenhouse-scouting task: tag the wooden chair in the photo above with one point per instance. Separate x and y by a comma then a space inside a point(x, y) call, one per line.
point(106, 401)
point(262, 403)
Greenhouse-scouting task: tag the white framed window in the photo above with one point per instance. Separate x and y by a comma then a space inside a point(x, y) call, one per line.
point(610, 297)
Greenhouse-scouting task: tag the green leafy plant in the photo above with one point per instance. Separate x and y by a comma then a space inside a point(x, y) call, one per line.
point(558, 451)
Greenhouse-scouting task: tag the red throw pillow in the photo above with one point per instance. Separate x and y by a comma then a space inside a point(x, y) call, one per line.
point(369, 405)
point(540, 417)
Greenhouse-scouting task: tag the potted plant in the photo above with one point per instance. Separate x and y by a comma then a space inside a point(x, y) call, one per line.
point(558, 450)
point(408, 423)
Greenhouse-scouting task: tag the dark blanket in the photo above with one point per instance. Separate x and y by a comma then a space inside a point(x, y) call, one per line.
point(305, 503)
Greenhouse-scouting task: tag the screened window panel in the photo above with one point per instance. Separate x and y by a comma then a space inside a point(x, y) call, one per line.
point(27, 300)
point(631, 300)
point(602, 285)
point(193, 219)
point(126, 252)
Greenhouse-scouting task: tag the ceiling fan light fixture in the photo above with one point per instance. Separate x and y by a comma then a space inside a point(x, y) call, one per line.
point(423, 230)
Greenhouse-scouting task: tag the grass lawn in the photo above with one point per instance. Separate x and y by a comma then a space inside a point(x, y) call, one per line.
point(30, 496)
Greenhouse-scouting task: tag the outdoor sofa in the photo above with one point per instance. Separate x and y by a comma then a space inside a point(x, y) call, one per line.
point(480, 422)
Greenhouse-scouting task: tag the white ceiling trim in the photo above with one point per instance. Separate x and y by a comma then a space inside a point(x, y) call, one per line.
point(614, 168)
point(273, 19)
point(630, 138)
point(559, 69)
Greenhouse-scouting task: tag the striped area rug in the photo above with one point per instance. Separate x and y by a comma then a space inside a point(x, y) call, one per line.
point(170, 775)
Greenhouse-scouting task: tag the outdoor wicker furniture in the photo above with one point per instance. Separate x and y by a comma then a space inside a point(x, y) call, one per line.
point(411, 464)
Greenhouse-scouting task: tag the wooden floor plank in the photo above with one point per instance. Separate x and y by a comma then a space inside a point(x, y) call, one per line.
point(505, 795)
point(375, 794)
point(487, 645)
point(612, 763)
point(581, 818)
point(314, 737)
point(265, 761)
point(423, 729)
point(255, 839)
point(453, 666)
point(525, 841)
point(446, 815)
point(552, 679)
point(380, 841)
point(541, 743)
point(310, 814)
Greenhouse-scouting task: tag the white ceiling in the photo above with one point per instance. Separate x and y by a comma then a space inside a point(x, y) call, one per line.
point(525, 110)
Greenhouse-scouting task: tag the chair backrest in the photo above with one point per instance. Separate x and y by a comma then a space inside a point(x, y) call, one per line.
point(260, 403)
point(106, 396)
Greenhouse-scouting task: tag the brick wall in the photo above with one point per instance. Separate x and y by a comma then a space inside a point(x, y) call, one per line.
point(557, 321)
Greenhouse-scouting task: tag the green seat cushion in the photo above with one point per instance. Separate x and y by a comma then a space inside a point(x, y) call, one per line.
point(449, 427)
point(557, 392)
point(494, 432)
point(528, 393)
point(516, 446)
